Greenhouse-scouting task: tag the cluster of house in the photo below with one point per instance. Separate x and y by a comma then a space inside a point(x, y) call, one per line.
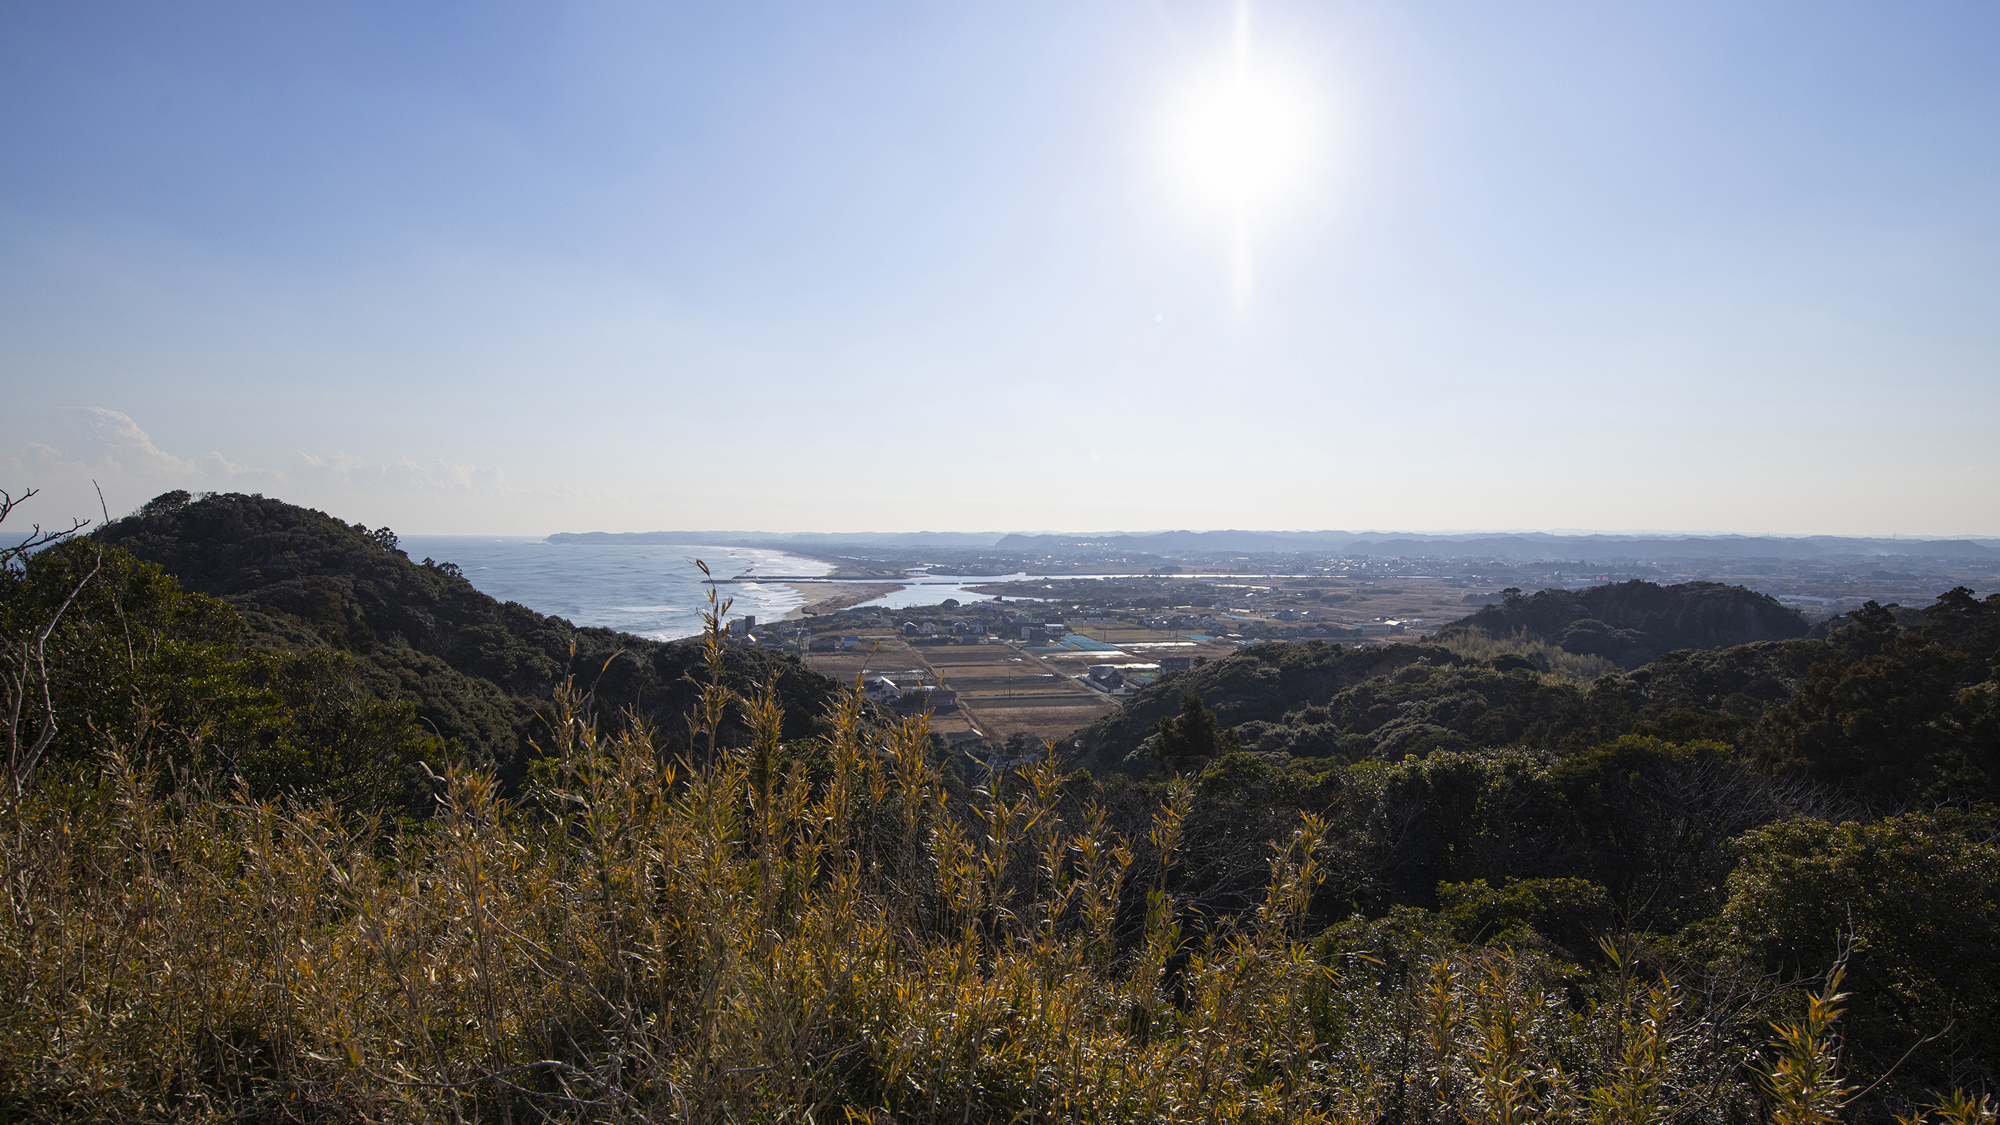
point(1386, 626)
point(1111, 677)
point(1200, 622)
point(1181, 623)
point(930, 627)
point(882, 689)
point(985, 625)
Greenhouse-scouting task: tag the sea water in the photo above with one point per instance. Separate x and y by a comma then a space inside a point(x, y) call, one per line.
point(652, 590)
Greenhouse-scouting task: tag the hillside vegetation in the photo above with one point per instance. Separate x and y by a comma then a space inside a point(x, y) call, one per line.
point(1324, 701)
point(476, 673)
point(1631, 623)
point(246, 877)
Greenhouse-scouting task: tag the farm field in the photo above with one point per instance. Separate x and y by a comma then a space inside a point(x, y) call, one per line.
point(1339, 601)
point(1004, 690)
point(1429, 598)
point(979, 673)
point(1336, 600)
point(1009, 689)
point(885, 653)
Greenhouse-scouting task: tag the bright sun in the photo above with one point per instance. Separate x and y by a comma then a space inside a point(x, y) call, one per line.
point(1239, 144)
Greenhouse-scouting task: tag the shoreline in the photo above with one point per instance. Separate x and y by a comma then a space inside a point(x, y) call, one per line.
point(838, 595)
point(846, 570)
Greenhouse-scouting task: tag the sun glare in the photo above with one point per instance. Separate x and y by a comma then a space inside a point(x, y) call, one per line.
point(1240, 142)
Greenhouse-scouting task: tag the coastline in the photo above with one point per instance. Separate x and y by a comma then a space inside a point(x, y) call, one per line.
point(834, 596)
point(845, 569)
point(649, 590)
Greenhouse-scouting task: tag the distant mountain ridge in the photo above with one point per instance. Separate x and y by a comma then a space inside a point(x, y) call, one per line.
point(1520, 545)
point(1523, 546)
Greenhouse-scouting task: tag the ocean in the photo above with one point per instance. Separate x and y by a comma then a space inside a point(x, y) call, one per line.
point(650, 590)
point(653, 589)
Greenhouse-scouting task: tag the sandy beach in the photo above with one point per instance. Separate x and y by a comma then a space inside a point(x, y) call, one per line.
point(826, 597)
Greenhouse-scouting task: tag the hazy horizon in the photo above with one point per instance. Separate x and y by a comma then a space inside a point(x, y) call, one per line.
point(495, 269)
point(1568, 532)
point(1559, 532)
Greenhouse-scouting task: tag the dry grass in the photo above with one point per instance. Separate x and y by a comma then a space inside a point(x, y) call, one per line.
point(1039, 722)
point(1476, 644)
point(770, 932)
point(639, 941)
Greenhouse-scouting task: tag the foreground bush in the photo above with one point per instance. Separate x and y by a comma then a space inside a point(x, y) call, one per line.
point(769, 935)
point(819, 929)
point(634, 940)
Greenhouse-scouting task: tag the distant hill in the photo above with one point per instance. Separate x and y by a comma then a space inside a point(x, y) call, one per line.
point(1523, 546)
point(1512, 546)
point(1320, 701)
point(479, 671)
point(1263, 683)
point(1191, 541)
point(1890, 703)
point(1634, 622)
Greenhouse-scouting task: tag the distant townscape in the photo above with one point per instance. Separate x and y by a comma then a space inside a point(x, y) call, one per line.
point(1081, 621)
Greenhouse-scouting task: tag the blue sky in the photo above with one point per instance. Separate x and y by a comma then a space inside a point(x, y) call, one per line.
point(520, 268)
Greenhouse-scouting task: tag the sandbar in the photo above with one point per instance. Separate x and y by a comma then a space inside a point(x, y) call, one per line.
point(831, 596)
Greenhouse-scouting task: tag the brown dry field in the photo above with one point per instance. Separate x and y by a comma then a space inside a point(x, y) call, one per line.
point(986, 669)
point(1428, 598)
point(1038, 723)
point(1002, 690)
point(886, 654)
point(954, 721)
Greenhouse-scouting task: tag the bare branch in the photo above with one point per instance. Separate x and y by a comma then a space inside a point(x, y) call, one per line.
point(30, 661)
point(37, 538)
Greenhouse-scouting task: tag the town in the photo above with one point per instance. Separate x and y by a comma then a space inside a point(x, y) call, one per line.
point(1044, 656)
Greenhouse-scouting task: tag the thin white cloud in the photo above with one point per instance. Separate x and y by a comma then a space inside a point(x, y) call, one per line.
point(83, 448)
point(111, 442)
point(405, 474)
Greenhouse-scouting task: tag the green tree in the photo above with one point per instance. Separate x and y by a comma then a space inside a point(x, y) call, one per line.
point(1192, 737)
point(140, 666)
point(1919, 894)
point(1899, 713)
point(1566, 911)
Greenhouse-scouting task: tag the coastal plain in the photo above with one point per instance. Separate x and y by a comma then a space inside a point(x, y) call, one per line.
point(1001, 689)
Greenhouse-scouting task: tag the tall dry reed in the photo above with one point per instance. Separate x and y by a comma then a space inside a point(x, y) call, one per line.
point(764, 931)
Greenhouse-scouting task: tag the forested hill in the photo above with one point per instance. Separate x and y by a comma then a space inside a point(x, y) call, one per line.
point(1335, 705)
point(1762, 803)
point(1891, 705)
point(477, 670)
point(1633, 622)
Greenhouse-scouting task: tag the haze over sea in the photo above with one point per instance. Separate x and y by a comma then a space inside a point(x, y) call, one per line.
point(651, 590)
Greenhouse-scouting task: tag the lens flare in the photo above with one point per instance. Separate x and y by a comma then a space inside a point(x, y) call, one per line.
point(1240, 143)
